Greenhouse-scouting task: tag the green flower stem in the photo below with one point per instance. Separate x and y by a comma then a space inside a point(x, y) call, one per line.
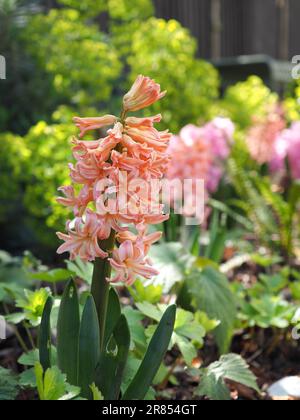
point(102, 272)
point(100, 286)
point(29, 335)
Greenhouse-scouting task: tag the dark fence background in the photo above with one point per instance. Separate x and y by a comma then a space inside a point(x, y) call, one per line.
point(226, 28)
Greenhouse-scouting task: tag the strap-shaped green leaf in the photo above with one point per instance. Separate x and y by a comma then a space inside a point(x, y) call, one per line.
point(89, 348)
point(113, 314)
point(45, 336)
point(68, 333)
point(113, 361)
point(154, 356)
point(218, 233)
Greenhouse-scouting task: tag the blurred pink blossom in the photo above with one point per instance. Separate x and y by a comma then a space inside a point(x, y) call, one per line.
point(262, 137)
point(287, 146)
point(198, 153)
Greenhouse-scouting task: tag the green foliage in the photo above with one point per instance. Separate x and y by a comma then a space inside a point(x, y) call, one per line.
point(142, 292)
point(172, 262)
point(217, 240)
point(230, 366)
point(210, 292)
point(81, 269)
point(50, 148)
point(268, 311)
point(248, 99)
point(87, 8)
point(13, 277)
point(137, 330)
point(292, 106)
point(125, 20)
point(14, 160)
point(113, 360)
point(264, 304)
point(155, 353)
point(53, 386)
point(83, 64)
point(52, 276)
point(272, 214)
point(26, 83)
point(188, 331)
point(129, 10)
point(9, 386)
point(97, 396)
point(33, 304)
point(83, 363)
point(158, 45)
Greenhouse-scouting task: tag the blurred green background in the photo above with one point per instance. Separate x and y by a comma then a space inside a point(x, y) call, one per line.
point(77, 57)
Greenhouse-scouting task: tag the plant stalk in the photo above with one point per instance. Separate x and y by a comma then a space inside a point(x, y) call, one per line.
point(100, 285)
point(102, 272)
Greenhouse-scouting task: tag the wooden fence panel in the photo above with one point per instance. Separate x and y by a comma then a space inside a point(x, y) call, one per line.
point(248, 26)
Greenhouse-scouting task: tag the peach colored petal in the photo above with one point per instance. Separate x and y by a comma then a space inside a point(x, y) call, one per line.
point(88, 124)
point(142, 94)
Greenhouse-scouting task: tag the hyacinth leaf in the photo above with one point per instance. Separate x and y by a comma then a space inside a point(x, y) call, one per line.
point(45, 336)
point(89, 348)
point(113, 314)
point(68, 332)
point(113, 361)
point(215, 250)
point(156, 351)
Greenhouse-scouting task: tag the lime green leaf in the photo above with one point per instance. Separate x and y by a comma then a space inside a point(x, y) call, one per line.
point(33, 304)
point(187, 326)
point(207, 323)
point(97, 396)
point(150, 293)
point(53, 385)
